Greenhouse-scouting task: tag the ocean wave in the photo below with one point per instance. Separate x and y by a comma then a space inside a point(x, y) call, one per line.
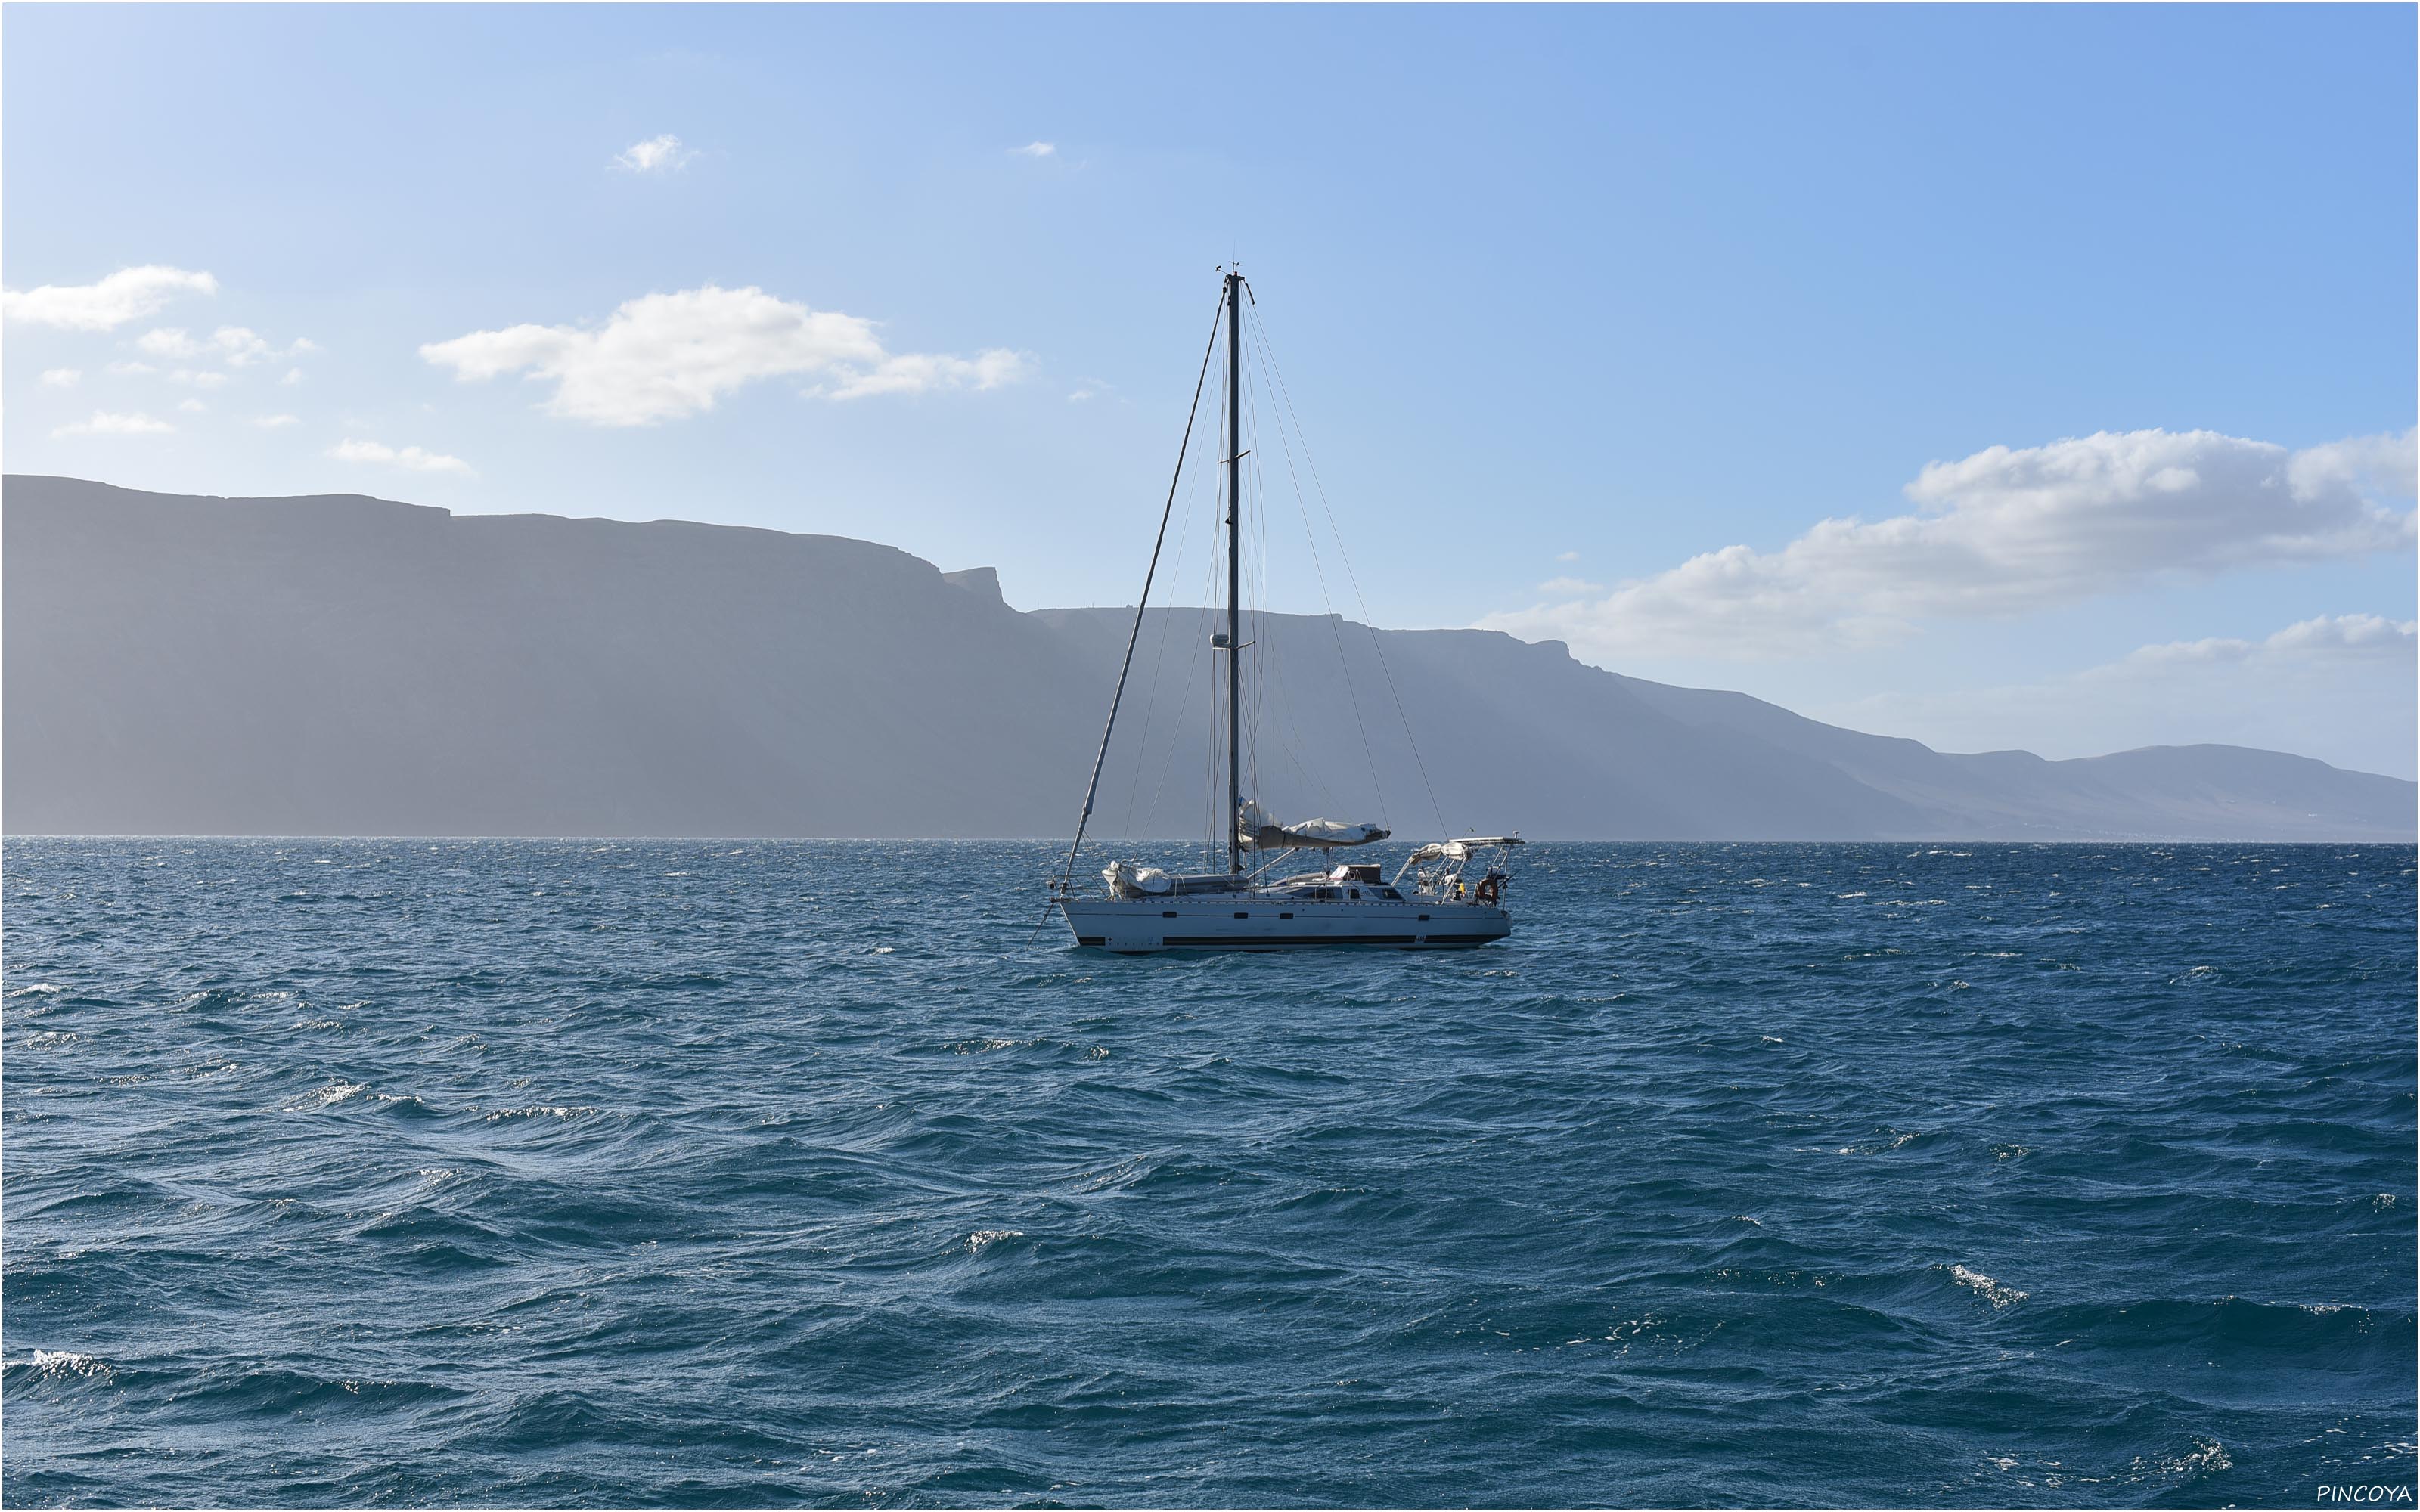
point(61, 1365)
point(761, 1216)
point(1997, 1295)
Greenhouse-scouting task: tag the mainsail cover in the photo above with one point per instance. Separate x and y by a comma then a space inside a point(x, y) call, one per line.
point(1256, 830)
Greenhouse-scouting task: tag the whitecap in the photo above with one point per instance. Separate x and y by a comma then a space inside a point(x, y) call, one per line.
point(325, 1097)
point(1993, 1291)
point(57, 1363)
point(981, 1238)
point(2207, 1454)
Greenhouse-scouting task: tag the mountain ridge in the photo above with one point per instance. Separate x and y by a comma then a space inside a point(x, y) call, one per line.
point(343, 664)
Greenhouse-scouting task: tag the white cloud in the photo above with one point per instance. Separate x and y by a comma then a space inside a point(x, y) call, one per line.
point(1037, 149)
point(1568, 587)
point(133, 370)
point(192, 406)
point(105, 423)
point(235, 346)
point(239, 347)
point(293, 374)
point(61, 377)
point(2332, 636)
point(916, 374)
point(128, 294)
point(169, 341)
point(407, 456)
point(199, 378)
point(2004, 532)
point(657, 154)
point(664, 356)
point(2340, 687)
point(1567, 555)
point(276, 422)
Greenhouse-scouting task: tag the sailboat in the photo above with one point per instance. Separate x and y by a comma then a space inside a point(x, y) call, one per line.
point(1446, 894)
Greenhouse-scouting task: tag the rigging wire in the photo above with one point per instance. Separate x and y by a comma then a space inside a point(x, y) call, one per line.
point(1277, 711)
point(1167, 626)
point(1093, 788)
point(1270, 348)
point(1336, 629)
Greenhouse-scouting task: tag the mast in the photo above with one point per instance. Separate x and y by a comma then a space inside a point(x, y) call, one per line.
point(1235, 572)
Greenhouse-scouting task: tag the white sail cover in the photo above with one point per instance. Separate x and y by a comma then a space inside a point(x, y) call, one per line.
point(1462, 850)
point(1256, 831)
point(1127, 880)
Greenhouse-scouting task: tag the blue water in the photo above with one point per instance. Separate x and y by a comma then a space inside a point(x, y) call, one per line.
point(538, 1172)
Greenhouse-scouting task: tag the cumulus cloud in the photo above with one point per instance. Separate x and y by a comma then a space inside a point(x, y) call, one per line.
point(657, 154)
point(664, 356)
point(169, 342)
point(915, 374)
point(199, 378)
point(1567, 587)
point(128, 294)
point(105, 423)
point(2329, 637)
point(293, 374)
point(133, 370)
point(407, 457)
point(61, 377)
point(276, 422)
point(1037, 149)
point(194, 407)
point(2007, 530)
point(2338, 686)
point(1567, 555)
point(239, 347)
point(235, 346)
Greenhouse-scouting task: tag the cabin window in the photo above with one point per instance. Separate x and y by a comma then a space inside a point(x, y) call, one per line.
point(1285, 916)
point(1356, 891)
point(1168, 913)
point(1243, 915)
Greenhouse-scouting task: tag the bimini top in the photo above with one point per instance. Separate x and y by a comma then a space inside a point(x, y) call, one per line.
point(1462, 850)
point(1256, 830)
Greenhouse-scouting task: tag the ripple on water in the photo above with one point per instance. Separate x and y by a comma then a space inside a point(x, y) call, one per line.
point(526, 1172)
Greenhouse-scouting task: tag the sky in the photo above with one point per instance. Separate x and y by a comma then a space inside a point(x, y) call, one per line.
point(2032, 376)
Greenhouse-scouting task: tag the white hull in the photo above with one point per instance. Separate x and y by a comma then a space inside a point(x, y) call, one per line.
point(1241, 921)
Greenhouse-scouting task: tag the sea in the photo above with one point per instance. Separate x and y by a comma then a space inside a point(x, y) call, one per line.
point(709, 1173)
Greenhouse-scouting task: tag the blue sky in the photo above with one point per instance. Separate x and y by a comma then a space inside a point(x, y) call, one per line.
point(1564, 297)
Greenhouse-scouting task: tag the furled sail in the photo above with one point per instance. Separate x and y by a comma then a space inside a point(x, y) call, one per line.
point(1127, 880)
point(1462, 850)
point(1256, 830)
